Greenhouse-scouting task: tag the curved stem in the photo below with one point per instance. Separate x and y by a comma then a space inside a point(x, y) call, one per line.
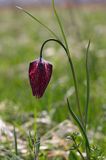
point(55, 40)
point(72, 69)
point(81, 125)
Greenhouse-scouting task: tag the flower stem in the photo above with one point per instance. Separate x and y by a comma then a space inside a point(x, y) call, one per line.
point(72, 69)
point(41, 51)
point(76, 89)
point(55, 40)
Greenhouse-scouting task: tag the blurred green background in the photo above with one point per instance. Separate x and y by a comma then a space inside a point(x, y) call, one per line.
point(20, 42)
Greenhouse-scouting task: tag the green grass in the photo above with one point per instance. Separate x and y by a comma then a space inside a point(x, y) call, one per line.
point(20, 42)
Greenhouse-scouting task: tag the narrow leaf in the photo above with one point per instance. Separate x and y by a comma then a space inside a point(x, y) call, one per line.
point(60, 25)
point(88, 86)
point(52, 32)
point(79, 124)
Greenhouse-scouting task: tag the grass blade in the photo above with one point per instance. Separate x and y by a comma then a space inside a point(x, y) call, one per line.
point(88, 86)
point(15, 141)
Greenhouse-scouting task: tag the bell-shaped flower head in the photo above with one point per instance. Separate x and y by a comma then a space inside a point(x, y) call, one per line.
point(40, 72)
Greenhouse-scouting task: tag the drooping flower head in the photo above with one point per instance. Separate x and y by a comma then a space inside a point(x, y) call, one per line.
point(40, 72)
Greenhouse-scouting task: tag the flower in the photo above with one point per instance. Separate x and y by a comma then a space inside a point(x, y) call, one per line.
point(40, 72)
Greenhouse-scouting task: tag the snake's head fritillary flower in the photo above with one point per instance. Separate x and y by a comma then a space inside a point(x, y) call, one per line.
point(40, 72)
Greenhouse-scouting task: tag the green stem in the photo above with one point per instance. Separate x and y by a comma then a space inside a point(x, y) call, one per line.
point(76, 89)
point(55, 40)
point(72, 69)
point(53, 33)
point(88, 90)
point(70, 61)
